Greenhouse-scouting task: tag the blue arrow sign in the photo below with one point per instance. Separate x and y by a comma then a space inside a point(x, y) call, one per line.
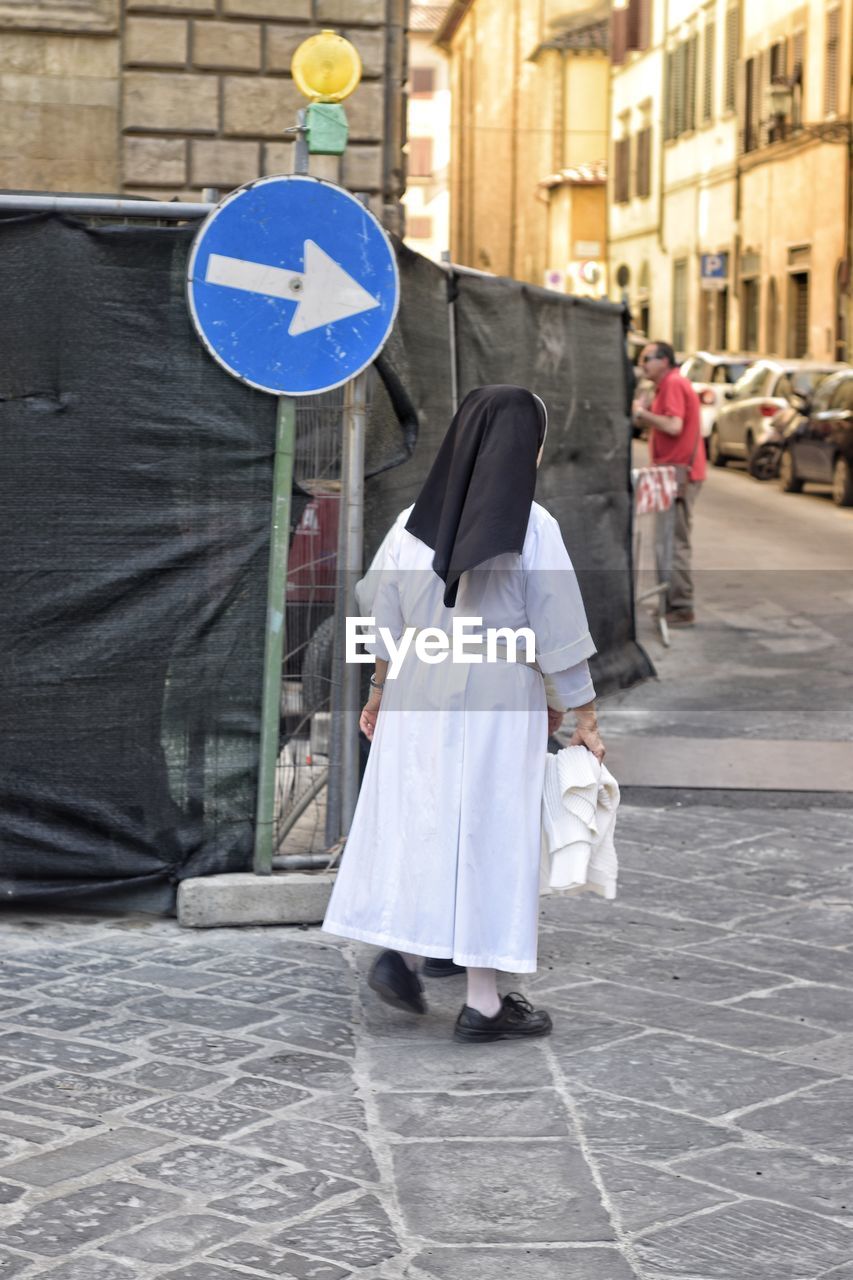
point(292, 285)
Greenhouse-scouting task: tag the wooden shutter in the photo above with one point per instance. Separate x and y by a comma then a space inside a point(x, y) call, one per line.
point(762, 80)
point(621, 170)
point(732, 53)
point(668, 96)
point(830, 81)
point(798, 71)
point(633, 24)
point(420, 157)
point(618, 36)
point(690, 83)
point(679, 67)
point(747, 93)
point(708, 72)
point(644, 25)
point(644, 162)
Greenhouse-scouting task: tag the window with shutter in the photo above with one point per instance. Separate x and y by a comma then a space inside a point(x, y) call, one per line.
point(644, 162)
point(798, 65)
point(691, 80)
point(418, 227)
point(777, 126)
point(732, 54)
point(762, 121)
point(644, 25)
point(679, 304)
point(633, 24)
point(708, 73)
point(678, 89)
point(622, 171)
point(421, 82)
point(618, 36)
point(420, 157)
point(830, 83)
point(669, 97)
point(748, 104)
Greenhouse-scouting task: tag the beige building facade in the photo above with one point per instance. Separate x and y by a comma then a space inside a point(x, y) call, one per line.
point(165, 98)
point(795, 177)
point(529, 86)
point(427, 197)
point(730, 194)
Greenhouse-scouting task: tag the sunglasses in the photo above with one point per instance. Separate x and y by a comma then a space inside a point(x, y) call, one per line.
point(648, 359)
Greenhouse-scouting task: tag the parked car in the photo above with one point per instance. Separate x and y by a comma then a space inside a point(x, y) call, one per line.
point(818, 443)
point(766, 387)
point(711, 376)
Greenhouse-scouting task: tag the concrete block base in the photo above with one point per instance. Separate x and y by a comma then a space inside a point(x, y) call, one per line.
point(287, 897)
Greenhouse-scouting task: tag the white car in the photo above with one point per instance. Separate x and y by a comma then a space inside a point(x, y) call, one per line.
point(712, 376)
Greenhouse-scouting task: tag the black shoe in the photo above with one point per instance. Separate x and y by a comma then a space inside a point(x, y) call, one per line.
point(393, 981)
point(516, 1020)
point(434, 968)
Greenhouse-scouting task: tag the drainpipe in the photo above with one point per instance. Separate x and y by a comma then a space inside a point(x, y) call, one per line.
point(393, 182)
point(513, 172)
point(666, 87)
point(848, 220)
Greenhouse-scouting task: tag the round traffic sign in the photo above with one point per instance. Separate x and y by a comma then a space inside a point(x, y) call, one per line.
point(292, 285)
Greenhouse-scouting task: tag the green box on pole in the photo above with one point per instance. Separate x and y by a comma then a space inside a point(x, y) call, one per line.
point(327, 130)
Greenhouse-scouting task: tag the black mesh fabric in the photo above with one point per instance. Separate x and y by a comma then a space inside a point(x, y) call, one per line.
point(134, 505)
point(135, 496)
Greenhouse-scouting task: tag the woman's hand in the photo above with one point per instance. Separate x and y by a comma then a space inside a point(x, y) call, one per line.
point(369, 714)
point(588, 736)
point(555, 719)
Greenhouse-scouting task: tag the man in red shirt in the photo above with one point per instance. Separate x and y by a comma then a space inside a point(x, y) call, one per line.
point(675, 439)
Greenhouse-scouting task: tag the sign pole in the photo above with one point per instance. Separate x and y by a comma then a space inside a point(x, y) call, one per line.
point(355, 428)
point(285, 438)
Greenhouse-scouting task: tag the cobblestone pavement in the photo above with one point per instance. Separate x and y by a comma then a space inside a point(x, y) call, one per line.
point(237, 1104)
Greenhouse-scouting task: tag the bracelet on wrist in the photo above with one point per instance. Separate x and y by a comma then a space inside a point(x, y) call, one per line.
point(374, 684)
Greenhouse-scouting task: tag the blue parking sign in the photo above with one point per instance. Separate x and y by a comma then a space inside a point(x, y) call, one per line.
point(292, 285)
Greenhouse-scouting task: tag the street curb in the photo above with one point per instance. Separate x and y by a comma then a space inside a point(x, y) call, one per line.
point(241, 898)
point(662, 797)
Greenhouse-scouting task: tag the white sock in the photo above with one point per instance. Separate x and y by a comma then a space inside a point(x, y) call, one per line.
point(483, 992)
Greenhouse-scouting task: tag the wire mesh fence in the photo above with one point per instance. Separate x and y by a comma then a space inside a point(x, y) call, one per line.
point(303, 762)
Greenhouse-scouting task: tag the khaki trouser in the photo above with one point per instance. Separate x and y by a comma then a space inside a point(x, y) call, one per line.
point(679, 597)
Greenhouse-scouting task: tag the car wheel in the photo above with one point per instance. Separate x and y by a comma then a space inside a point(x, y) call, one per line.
point(715, 455)
point(842, 483)
point(789, 482)
point(763, 462)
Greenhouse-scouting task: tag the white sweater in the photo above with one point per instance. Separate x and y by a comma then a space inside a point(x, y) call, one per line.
point(579, 802)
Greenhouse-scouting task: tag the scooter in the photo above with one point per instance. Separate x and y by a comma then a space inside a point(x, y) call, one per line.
point(763, 463)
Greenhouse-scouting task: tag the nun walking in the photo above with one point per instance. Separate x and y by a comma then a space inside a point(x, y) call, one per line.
point(442, 859)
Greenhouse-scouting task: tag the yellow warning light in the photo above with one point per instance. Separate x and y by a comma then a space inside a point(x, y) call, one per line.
point(326, 67)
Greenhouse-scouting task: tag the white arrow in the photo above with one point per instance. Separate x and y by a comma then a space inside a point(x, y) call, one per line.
point(323, 292)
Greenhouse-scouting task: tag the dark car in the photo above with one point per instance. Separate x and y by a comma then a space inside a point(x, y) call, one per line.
point(818, 445)
point(768, 386)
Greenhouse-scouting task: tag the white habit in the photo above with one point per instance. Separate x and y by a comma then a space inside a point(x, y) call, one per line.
point(579, 806)
point(443, 855)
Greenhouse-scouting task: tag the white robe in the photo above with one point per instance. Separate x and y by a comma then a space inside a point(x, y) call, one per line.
point(443, 855)
point(579, 804)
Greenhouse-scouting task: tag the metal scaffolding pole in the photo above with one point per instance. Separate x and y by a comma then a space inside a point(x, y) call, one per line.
point(26, 203)
point(343, 758)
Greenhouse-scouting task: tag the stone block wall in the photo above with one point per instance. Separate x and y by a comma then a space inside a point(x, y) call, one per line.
point(165, 98)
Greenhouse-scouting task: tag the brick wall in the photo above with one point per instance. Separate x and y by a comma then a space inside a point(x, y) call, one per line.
point(164, 98)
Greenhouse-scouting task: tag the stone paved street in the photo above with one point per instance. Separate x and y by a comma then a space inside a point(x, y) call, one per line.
point(235, 1103)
